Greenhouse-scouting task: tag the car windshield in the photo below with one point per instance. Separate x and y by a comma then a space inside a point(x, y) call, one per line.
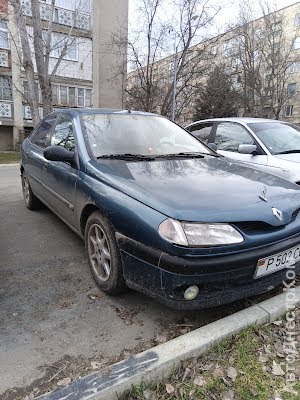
point(278, 137)
point(140, 135)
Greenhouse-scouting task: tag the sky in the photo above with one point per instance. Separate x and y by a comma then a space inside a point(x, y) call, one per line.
point(225, 18)
point(227, 15)
point(231, 10)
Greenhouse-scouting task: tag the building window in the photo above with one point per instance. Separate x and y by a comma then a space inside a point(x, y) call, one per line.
point(55, 95)
point(289, 111)
point(214, 50)
point(88, 97)
point(297, 43)
point(64, 95)
point(26, 91)
point(291, 89)
point(59, 41)
point(80, 98)
point(71, 96)
point(229, 47)
point(297, 19)
point(294, 67)
point(4, 41)
point(171, 66)
point(5, 88)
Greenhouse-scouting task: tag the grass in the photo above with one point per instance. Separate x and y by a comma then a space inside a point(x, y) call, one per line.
point(7, 157)
point(254, 377)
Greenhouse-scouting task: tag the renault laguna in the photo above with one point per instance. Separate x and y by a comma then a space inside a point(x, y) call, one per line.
point(159, 211)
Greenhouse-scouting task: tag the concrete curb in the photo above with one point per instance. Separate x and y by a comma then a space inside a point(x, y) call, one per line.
point(10, 165)
point(159, 362)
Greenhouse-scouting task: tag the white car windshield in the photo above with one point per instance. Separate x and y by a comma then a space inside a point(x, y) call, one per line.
point(278, 137)
point(135, 134)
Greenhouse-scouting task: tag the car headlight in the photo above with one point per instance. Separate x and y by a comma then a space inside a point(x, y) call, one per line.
point(195, 234)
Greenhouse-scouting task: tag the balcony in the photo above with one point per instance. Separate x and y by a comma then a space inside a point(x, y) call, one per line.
point(61, 16)
point(4, 58)
point(6, 109)
point(27, 113)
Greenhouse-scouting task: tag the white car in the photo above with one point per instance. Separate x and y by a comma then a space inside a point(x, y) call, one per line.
point(270, 145)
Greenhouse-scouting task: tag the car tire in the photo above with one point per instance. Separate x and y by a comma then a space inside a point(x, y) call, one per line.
point(103, 254)
point(31, 201)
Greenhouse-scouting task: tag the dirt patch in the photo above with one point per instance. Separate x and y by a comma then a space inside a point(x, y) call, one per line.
point(68, 368)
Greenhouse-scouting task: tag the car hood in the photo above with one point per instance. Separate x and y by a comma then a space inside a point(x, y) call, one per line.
point(293, 157)
point(207, 190)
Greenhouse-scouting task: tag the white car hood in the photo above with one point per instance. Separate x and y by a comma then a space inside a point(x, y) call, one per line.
point(294, 157)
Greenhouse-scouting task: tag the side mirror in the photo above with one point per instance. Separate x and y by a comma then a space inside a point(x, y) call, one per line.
point(213, 146)
point(247, 148)
point(58, 153)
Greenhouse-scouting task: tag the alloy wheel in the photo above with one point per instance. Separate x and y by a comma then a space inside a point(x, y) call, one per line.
point(26, 190)
point(99, 252)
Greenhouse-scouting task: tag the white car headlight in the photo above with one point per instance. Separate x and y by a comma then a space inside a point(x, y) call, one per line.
point(195, 234)
point(172, 231)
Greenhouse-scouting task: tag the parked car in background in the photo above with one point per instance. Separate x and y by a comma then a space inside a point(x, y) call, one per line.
point(271, 145)
point(158, 210)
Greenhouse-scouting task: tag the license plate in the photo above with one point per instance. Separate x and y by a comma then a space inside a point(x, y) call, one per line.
point(277, 262)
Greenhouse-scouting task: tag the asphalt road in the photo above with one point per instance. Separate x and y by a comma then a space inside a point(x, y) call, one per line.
point(50, 307)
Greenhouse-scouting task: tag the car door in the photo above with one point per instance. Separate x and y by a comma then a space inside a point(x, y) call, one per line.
point(229, 135)
point(201, 130)
point(60, 177)
point(33, 158)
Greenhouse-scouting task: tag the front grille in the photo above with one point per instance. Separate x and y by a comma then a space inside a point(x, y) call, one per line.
point(257, 226)
point(295, 214)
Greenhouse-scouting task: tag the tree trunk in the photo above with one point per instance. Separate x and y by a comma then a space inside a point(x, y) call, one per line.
point(27, 61)
point(43, 73)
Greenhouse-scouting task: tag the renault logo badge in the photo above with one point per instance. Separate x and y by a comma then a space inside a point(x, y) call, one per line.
point(277, 213)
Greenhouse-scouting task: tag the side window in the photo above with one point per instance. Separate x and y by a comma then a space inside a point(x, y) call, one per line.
point(63, 133)
point(201, 131)
point(230, 135)
point(42, 135)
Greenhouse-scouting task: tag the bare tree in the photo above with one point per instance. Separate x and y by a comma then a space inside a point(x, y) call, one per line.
point(265, 54)
point(38, 42)
point(151, 80)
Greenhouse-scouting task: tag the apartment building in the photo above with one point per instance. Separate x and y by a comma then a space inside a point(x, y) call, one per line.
point(85, 76)
point(283, 40)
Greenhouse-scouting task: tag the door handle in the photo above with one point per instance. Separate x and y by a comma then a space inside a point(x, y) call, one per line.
point(45, 166)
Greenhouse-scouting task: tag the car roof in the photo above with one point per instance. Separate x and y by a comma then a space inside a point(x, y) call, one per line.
point(101, 111)
point(242, 120)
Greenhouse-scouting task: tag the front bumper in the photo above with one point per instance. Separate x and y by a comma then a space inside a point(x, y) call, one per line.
point(221, 278)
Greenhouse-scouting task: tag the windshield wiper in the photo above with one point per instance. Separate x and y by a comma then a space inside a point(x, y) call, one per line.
point(288, 152)
point(186, 155)
point(125, 156)
point(139, 157)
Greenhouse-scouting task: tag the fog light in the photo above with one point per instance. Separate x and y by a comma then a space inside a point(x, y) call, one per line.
point(191, 292)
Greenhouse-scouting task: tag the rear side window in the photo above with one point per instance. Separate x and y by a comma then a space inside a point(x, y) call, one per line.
point(63, 133)
point(201, 131)
point(42, 136)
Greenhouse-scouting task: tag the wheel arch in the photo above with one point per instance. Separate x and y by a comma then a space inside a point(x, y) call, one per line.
point(86, 212)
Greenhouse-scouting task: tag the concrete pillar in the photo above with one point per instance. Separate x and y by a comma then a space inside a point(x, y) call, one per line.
point(110, 17)
point(17, 86)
